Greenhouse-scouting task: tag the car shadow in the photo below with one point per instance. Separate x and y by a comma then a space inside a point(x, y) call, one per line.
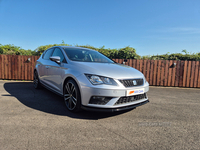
point(46, 101)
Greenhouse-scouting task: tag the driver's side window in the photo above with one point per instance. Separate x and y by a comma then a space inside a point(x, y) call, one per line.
point(58, 52)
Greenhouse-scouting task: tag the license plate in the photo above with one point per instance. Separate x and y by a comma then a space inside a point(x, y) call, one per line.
point(134, 92)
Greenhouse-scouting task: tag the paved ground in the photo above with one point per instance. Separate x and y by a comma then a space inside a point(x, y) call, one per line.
point(38, 119)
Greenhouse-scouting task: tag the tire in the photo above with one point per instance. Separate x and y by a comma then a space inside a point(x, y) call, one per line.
point(72, 97)
point(36, 81)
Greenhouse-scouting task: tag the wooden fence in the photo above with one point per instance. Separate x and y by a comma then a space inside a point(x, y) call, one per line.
point(17, 67)
point(172, 73)
point(157, 72)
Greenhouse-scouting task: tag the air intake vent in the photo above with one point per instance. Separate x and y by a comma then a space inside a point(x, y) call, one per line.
point(99, 100)
point(129, 99)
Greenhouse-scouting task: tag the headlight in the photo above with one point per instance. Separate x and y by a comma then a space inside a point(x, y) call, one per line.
point(96, 80)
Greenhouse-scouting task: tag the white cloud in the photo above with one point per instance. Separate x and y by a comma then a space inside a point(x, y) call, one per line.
point(180, 30)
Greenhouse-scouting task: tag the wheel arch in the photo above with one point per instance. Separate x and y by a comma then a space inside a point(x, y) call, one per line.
point(72, 78)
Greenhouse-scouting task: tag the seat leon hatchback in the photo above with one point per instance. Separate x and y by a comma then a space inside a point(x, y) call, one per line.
point(89, 80)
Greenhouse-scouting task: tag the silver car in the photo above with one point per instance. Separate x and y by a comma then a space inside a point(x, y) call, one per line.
point(89, 80)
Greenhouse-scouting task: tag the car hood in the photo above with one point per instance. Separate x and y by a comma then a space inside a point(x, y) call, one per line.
point(112, 70)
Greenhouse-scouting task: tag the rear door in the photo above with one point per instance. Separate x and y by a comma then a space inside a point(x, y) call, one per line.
point(44, 66)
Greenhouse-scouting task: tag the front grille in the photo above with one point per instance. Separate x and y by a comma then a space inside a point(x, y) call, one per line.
point(132, 82)
point(128, 99)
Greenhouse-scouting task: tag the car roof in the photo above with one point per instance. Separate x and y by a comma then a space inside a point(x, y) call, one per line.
point(73, 47)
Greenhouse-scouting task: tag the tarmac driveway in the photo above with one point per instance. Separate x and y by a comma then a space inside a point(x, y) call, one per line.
point(38, 119)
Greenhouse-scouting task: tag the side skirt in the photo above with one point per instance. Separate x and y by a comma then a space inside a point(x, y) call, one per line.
point(50, 89)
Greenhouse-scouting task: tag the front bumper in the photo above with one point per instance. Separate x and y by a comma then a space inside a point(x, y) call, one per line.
point(114, 109)
point(87, 90)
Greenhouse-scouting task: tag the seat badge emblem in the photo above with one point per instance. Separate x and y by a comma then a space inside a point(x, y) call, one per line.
point(134, 82)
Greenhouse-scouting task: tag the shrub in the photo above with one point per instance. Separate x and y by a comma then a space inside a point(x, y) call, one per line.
point(122, 53)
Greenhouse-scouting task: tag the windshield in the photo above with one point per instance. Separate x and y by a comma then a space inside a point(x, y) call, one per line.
point(85, 55)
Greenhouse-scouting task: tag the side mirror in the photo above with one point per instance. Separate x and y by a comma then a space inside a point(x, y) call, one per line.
point(55, 58)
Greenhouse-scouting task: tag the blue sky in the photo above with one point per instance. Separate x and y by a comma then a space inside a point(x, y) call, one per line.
point(150, 26)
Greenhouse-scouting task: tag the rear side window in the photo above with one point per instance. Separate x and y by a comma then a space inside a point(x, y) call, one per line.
point(48, 54)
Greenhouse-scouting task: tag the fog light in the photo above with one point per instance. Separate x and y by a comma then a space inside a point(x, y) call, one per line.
point(99, 100)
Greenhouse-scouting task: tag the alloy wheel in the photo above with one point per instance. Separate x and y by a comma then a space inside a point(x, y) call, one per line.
point(35, 80)
point(70, 95)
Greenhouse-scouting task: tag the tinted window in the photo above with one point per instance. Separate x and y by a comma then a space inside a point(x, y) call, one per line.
point(86, 55)
point(58, 52)
point(48, 54)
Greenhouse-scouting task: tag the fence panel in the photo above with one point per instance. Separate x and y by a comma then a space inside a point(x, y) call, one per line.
point(188, 74)
point(169, 74)
point(9, 68)
point(131, 62)
point(173, 73)
point(134, 63)
point(199, 76)
point(196, 74)
point(192, 74)
point(141, 65)
point(0, 66)
point(19, 67)
point(162, 72)
point(158, 73)
point(148, 71)
point(151, 72)
point(154, 72)
point(180, 82)
point(6, 67)
point(145, 68)
point(177, 74)
point(185, 73)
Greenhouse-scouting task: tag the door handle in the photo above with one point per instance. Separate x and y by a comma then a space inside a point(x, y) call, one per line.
point(47, 67)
